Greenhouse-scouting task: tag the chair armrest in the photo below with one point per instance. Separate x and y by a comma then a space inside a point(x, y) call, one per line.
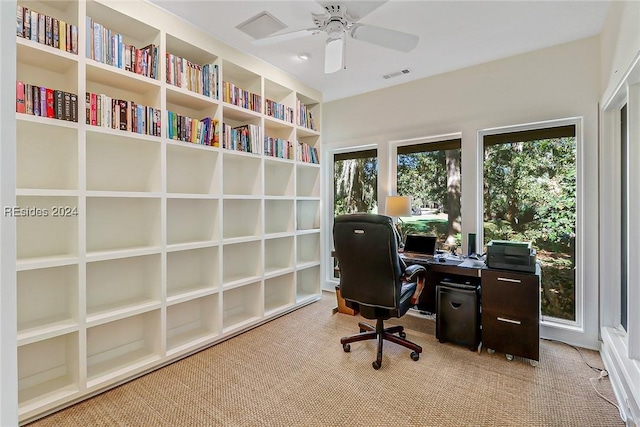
point(412, 272)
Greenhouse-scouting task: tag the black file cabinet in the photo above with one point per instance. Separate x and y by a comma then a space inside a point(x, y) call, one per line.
point(458, 314)
point(511, 313)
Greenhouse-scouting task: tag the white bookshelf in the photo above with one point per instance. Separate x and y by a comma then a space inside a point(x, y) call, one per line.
point(192, 272)
point(158, 247)
point(279, 293)
point(280, 218)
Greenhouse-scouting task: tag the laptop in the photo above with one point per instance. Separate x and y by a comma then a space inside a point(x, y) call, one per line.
point(419, 246)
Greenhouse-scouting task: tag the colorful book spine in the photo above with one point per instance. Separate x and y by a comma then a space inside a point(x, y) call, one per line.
point(20, 101)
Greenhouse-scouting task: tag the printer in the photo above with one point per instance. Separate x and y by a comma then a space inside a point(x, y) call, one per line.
point(508, 255)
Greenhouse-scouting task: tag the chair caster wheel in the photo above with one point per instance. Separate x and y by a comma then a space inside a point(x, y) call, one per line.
point(509, 357)
point(346, 348)
point(415, 356)
point(402, 334)
point(490, 351)
point(376, 365)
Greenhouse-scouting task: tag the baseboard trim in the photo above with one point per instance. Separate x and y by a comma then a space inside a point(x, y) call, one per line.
point(624, 374)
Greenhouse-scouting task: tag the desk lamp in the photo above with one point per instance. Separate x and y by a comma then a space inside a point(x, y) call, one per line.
point(398, 206)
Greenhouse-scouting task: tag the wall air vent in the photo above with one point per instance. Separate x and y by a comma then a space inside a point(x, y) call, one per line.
point(262, 25)
point(396, 74)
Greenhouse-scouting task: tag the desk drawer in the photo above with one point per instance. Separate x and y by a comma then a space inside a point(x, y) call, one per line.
point(515, 335)
point(511, 293)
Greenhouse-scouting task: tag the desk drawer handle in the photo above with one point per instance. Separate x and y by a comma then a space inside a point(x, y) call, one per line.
point(515, 322)
point(506, 279)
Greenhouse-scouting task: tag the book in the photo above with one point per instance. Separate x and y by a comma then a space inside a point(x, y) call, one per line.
point(26, 23)
point(122, 105)
point(43, 101)
point(20, 21)
point(68, 36)
point(94, 110)
point(50, 103)
point(34, 26)
point(74, 107)
point(74, 39)
point(62, 44)
point(138, 61)
point(28, 98)
point(20, 107)
point(48, 31)
point(127, 58)
point(36, 100)
point(88, 46)
point(41, 28)
point(55, 24)
point(58, 104)
point(67, 106)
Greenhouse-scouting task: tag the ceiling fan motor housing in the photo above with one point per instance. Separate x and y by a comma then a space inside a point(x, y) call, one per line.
point(334, 23)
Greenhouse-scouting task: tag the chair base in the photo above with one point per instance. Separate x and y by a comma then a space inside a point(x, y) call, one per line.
point(379, 332)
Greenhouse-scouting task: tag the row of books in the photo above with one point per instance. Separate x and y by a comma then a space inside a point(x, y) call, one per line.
point(278, 111)
point(307, 153)
point(242, 98)
point(106, 46)
point(247, 138)
point(202, 79)
point(46, 29)
point(187, 129)
point(104, 111)
point(305, 118)
point(46, 102)
point(277, 147)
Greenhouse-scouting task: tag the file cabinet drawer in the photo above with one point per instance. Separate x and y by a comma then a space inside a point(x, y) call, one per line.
point(511, 293)
point(518, 336)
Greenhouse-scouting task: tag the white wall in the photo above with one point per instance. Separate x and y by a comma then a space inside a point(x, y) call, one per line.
point(8, 352)
point(553, 83)
point(620, 42)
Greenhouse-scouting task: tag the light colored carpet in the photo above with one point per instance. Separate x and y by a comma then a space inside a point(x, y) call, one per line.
point(292, 371)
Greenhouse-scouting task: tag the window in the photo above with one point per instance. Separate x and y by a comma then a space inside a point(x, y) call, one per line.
point(430, 172)
point(355, 185)
point(355, 182)
point(529, 195)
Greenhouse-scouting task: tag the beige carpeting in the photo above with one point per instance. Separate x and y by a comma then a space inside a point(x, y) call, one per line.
point(292, 371)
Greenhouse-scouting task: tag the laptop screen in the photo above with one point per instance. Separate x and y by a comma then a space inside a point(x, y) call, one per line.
point(420, 244)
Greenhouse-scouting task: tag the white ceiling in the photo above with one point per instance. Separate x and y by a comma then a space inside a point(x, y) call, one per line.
point(453, 35)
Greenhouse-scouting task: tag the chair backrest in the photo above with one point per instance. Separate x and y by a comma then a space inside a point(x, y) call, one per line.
point(366, 247)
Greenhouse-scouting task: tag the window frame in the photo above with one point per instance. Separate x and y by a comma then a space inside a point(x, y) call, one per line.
point(620, 349)
point(328, 170)
point(577, 325)
point(626, 343)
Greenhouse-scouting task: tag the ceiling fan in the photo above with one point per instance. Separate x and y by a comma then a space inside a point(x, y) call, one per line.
point(340, 19)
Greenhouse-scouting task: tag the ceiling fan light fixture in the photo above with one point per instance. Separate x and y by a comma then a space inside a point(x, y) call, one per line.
point(334, 55)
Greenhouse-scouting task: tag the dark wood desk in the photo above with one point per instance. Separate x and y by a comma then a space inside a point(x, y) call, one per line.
point(438, 271)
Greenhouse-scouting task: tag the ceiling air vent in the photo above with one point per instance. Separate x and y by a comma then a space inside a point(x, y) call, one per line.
point(396, 74)
point(262, 25)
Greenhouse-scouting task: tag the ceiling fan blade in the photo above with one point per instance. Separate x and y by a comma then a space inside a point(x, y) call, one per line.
point(284, 36)
point(334, 54)
point(357, 10)
point(385, 37)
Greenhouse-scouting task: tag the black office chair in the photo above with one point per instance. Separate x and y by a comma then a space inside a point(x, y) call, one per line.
point(373, 278)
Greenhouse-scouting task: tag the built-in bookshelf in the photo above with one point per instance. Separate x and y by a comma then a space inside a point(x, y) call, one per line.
point(172, 205)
